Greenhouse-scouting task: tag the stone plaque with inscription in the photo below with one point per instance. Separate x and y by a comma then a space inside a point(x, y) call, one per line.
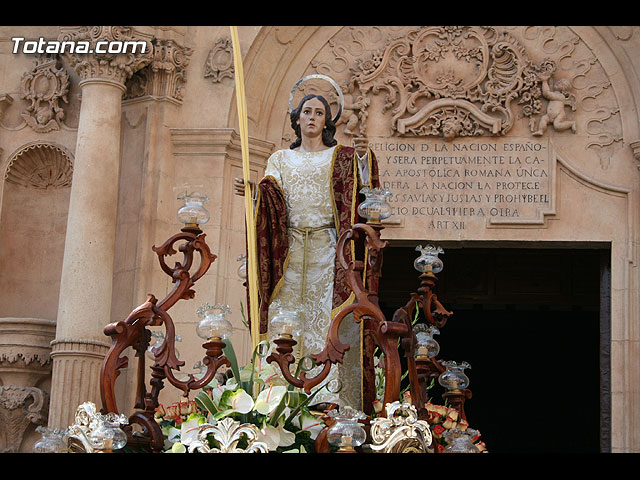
point(466, 183)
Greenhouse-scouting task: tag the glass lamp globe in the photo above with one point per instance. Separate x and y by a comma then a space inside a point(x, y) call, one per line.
point(159, 336)
point(453, 378)
point(426, 344)
point(375, 207)
point(428, 261)
point(460, 441)
point(242, 269)
point(286, 323)
point(52, 441)
point(108, 436)
point(214, 323)
point(346, 433)
point(192, 213)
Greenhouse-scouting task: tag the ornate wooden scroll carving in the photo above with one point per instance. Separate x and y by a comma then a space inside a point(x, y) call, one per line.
point(133, 332)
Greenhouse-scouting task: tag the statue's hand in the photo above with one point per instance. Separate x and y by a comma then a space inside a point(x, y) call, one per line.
point(361, 144)
point(238, 186)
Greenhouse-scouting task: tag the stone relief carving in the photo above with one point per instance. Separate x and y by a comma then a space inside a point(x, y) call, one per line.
point(623, 32)
point(19, 407)
point(286, 34)
point(453, 82)
point(165, 76)
point(44, 88)
point(635, 148)
point(25, 361)
point(40, 165)
point(450, 82)
point(219, 62)
point(559, 96)
point(594, 98)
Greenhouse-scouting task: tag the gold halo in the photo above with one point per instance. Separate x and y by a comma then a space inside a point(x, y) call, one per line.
point(323, 77)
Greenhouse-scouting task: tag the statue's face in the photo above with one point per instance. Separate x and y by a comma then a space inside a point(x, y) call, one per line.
point(312, 118)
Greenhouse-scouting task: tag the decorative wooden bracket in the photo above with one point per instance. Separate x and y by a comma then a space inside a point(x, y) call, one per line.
point(133, 332)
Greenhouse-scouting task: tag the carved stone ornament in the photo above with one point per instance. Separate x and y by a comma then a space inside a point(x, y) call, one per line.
point(165, 76)
point(635, 148)
point(400, 431)
point(20, 406)
point(454, 82)
point(219, 62)
point(117, 67)
point(227, 433)
point(40, 165)
point(44, 87)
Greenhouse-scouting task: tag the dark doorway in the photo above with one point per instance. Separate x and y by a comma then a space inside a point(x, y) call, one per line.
point(530, 322)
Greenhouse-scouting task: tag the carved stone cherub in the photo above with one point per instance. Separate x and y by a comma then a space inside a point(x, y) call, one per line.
point(354, 105)
point(558, 98)
point(451, 128)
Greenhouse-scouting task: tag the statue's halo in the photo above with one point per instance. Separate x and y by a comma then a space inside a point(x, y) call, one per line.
point(323, 77)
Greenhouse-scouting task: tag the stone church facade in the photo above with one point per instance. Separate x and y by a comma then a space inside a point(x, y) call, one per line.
point(525, 136)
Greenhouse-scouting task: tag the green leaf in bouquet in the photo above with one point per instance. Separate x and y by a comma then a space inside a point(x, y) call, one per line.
point(230, 354)
point(205, 403)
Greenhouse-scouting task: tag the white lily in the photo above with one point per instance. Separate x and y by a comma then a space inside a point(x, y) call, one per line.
point(241, 401)
point(189, 429)
point(269, 398)
point(308, 422)
point(269, 435)
point(287, 438)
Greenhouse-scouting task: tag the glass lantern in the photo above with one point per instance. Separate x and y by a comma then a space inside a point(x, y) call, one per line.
point(108, 436)
point(192, 213)
point(375, 207)
point(428, 261)
point(346, 433)
point(426, 344)
point(159, 336)
point(286, 323)
point(460, 441)
point(214, 324)
point(242, 269)
point(52, 441)
point(453, 379)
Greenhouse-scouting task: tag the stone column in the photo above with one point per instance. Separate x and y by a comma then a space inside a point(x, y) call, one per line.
point(87, 272)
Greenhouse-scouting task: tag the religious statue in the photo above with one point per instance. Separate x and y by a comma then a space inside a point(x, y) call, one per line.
point(306, 199)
